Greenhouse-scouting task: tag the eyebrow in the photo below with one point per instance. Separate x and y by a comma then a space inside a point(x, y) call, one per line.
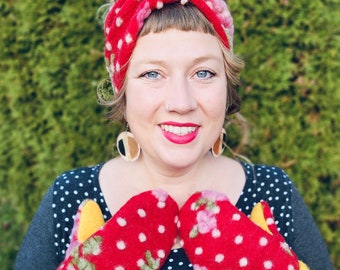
point(195, 60)
point(207, 58)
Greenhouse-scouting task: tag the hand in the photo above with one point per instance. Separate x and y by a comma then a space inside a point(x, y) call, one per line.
point(139, 236)
point(217, 236)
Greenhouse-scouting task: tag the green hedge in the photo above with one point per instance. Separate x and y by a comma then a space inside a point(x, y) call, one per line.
point(51, 63)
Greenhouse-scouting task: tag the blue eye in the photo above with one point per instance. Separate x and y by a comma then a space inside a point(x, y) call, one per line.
point(150, 75)
point(205, 74)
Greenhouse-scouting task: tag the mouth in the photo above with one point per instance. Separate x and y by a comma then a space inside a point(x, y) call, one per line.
point(179, 130)
point(179, 133)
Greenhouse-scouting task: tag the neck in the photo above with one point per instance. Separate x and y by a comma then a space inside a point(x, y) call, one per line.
point(179, 182)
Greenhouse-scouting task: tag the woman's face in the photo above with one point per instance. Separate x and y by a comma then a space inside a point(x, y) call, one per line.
point(176, 96)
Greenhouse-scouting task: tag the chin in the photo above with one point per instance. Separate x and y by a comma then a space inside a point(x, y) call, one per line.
point(180, 160)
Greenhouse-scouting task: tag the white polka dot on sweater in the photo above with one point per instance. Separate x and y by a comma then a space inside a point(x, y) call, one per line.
point(71, 187)
point(119, 267)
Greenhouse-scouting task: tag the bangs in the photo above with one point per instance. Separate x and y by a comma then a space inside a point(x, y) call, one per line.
point(177, 16)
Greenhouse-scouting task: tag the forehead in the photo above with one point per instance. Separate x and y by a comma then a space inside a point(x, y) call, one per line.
point(176, 44)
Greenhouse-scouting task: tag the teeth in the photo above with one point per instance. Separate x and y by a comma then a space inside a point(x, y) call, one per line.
point(178, 130)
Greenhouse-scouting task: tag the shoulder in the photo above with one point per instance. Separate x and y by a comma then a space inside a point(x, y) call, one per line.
point(268, 183)
point(273, 182)
point(69, 190)
point(77, 183)
point(270, 172)
point(266, 177)
point(78, 175)
point(273, 185)
point(74, 186)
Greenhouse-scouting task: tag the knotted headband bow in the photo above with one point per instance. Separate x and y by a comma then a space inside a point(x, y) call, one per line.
point(126, 18)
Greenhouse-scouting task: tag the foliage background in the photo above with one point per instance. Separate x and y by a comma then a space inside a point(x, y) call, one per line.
point(51, 63)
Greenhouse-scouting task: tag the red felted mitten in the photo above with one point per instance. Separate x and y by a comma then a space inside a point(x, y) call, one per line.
point(139, 236)
point(217, 236)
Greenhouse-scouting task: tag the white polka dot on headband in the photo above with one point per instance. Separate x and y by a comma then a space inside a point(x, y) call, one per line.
point(126, 18)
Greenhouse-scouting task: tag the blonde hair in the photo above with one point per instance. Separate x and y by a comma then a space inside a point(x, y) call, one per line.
point(185, 18)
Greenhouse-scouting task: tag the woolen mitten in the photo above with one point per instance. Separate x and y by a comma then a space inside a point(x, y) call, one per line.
point(217, 236)
point(139, 236)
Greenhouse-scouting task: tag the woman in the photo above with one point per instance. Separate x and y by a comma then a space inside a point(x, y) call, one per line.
point(166, 200)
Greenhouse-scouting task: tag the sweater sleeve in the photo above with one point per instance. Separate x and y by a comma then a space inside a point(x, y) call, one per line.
point(308, 243)
point(37, 250)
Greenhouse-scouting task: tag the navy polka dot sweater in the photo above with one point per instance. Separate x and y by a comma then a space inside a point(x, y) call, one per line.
point(263, 182)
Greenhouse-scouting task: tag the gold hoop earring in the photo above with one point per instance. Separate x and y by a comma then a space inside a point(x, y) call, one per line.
point(218, 147)
point(127, 146)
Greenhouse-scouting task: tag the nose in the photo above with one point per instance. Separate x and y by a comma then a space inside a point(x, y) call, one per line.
point(180, 96)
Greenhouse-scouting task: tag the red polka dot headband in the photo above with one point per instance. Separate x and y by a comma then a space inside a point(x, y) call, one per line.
point(126, 18)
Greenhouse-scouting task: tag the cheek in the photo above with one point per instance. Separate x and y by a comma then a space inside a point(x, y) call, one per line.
point(140, 105)
point(215, 104)
point(132, 107)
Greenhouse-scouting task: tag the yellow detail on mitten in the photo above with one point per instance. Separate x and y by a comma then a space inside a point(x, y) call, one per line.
point(258, 218)
point(303, 266)
point(91, 220)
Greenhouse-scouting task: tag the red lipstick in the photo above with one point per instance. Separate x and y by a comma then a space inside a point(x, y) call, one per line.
point(179, 133)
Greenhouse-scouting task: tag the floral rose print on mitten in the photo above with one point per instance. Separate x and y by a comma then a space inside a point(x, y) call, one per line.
point(217, 236)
